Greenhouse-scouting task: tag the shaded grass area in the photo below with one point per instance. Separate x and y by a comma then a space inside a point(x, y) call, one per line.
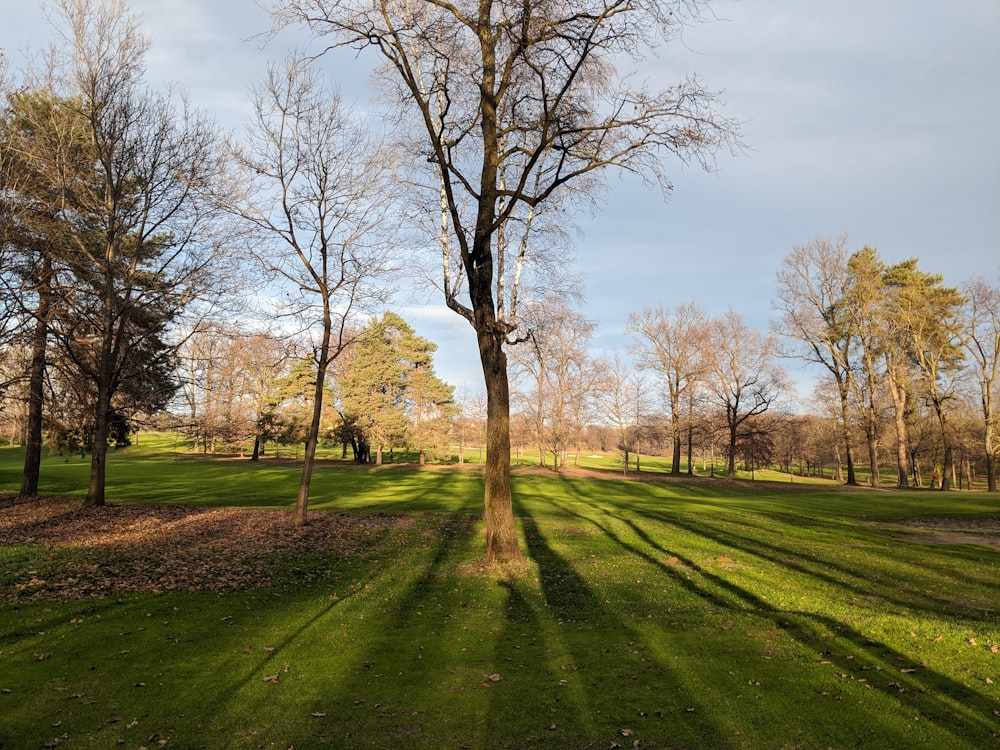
point(673, 614)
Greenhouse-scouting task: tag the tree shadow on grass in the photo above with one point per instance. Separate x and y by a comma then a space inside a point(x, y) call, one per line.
point(958, 710)
point(383, 669)
point(604, 685)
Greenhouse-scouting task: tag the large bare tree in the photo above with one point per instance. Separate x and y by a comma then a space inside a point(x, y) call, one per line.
point(516, 105)
point(815, 319)
point(314, 193)
point(743, 378)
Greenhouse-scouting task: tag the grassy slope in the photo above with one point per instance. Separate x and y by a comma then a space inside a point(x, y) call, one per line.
point(677, 614)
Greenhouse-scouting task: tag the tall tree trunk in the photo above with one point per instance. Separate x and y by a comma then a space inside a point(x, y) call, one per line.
point(501, 531)
point(36, 385)
point(948, 469)
point(991, 457)
point(845, 427)
point(99, 448)
point(899, 398)
point(733, 428)
point(675, 461)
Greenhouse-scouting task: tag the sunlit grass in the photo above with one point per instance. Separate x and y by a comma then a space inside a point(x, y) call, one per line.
point(676, 613)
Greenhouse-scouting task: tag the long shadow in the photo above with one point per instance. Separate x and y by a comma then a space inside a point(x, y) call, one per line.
point(936, 696)
point(412, 652)
point(604, 651)
point(889, 587)
point(893, 589)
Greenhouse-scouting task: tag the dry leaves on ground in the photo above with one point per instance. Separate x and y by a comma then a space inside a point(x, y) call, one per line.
point(121, 548)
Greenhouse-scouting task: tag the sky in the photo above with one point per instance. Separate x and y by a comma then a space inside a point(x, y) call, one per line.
point(871, 118)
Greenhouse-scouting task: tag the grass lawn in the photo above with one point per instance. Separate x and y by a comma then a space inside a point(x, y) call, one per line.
point(652, 613)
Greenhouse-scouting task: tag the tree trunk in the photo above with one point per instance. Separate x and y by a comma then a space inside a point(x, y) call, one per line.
point(899, 397)
point(501, 531)
point(731, 469)
point(991, 459)
point(36, 386)
point(256, 448)
point(99, 448)
point(845, 427)
point(675, 426)
point(871, 433)
point(299, 518)
point(948, 469)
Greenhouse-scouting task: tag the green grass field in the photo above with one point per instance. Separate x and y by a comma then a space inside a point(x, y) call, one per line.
point(690, 614)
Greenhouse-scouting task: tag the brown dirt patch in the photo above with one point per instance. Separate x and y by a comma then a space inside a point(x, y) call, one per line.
point(102, 552)
point(984, 532)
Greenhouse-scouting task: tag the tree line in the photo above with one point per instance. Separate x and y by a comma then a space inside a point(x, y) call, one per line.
point(128, 217)
point(133, 230)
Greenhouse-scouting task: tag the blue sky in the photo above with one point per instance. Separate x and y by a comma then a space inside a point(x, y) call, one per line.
point(874, 118)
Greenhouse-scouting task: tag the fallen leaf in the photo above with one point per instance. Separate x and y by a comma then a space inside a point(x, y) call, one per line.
point(318, 714)
point(907, 671)
point(271, 678)
point(114, 719)
point(494, 678)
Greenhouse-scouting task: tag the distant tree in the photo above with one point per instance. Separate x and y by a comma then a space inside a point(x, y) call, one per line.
point(620, 400)
point(517, 107)
point(744, 380)
point(982, 341)
point(314, 197)
point(556, 363)
point(864, 298)
point(389, 391)
point(928, 317)
point(371, 385)
point(673, 348)
point(815, 318)
point(430, 403)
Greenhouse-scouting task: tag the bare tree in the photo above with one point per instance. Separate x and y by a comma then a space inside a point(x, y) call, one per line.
point(744, 380)
point(814, 316)
point(673, 347)
point(864, 300)
point(142, 240)
point(982, 340)
point(315, 198)
point(555, 360)
point(518, 107)
point(620, 401)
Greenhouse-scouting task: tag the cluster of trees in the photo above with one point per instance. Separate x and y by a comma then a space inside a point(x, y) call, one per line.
point(715, 376)
point(382, 393)
point(894, 338)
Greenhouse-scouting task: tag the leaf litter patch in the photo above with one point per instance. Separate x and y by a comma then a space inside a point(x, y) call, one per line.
point(117, 549)
point(984, 531)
